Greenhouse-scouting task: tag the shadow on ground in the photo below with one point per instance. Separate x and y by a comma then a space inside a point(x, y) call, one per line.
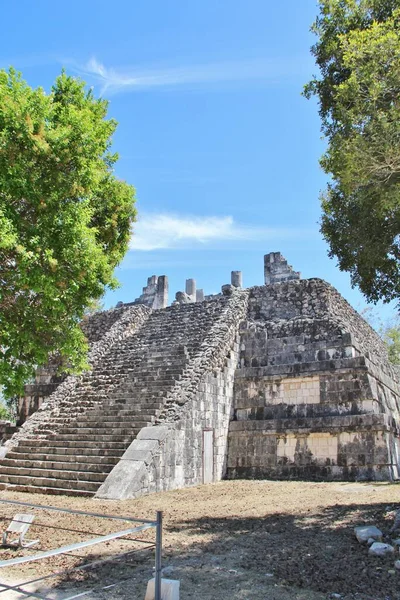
point(317, 551)
point(306, 556)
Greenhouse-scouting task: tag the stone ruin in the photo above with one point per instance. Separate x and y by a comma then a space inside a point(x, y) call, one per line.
point(284, 380)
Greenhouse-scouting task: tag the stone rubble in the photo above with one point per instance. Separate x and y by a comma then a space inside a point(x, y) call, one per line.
point(366, 533)
point(380, 549)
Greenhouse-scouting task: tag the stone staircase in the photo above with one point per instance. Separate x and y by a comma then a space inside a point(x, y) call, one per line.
point(74, 447)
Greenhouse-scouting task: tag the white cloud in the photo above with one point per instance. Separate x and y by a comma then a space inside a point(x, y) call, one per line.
point(115, 80)
point(163, 231)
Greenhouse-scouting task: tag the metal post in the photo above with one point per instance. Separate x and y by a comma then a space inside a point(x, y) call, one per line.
point(158, 556)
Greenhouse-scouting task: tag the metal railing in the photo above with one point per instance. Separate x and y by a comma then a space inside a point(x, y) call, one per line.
point(94, 541)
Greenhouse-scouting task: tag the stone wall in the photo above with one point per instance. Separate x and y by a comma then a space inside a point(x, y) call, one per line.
point(276, 269)
point(310, 400)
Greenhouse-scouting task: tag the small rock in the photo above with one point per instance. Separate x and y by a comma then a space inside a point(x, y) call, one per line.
point(379, 549)
point(365, 532)
point(397, 565)
point(271, 574)
point(396, 542)
point(392, 572)
point(167, 571)
point(370, 541)
point(336, 596)
point(233, 571)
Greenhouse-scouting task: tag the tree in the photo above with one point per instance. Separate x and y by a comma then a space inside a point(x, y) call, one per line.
point(358, 53)
point(391, 337)
point(65, 221)
point(389, 331)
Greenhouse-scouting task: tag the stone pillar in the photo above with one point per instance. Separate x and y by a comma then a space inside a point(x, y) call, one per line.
point(191, 288)
point(152, 281)
point(237, 279)
point(199, 295)
point(155, 294)
point(161, 298)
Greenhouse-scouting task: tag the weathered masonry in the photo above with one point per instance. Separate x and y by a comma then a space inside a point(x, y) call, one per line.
point(283, 380)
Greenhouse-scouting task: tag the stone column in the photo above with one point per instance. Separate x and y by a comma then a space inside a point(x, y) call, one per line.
point(237, 279)
point(199, 295)
point(152, 281)
point(191, 288)
point(161, 298)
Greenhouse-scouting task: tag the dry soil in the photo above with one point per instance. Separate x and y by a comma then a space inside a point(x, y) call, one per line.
point(258, 540)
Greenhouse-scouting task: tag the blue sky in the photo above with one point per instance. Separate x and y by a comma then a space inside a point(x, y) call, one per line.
point(213, 131)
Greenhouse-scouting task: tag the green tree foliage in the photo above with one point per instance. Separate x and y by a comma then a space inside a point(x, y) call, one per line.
point(389, 331)
point(358, 53)
point(391, 337)
point(65, 221)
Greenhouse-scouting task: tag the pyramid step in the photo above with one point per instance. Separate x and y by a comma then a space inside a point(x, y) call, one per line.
point(91, 437)
point(28, 451)
point(44, 482)
point(99, 423)
point(33, 459)
point(111, 422)
point(51, 465)
point(73, 444)
point(117, 416)
point(70, 432)
point(32, 489)
point(117, 410)
point(71, 475)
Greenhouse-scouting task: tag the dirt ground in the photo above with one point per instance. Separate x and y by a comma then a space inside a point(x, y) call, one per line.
point(258, 540)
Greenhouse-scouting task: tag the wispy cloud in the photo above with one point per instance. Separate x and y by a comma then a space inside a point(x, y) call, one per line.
point(163, 231)
point(116, 79)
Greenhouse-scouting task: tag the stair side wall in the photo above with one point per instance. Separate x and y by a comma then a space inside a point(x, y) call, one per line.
point(200, 400)
point(170, 456)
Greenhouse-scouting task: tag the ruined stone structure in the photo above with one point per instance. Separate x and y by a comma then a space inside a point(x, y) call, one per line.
point(283, 380)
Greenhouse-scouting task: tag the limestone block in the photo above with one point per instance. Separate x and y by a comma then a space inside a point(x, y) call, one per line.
point(169, 589)
point(141, 450)
point(301, 390)
point(158, 432)
point(126, 480)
